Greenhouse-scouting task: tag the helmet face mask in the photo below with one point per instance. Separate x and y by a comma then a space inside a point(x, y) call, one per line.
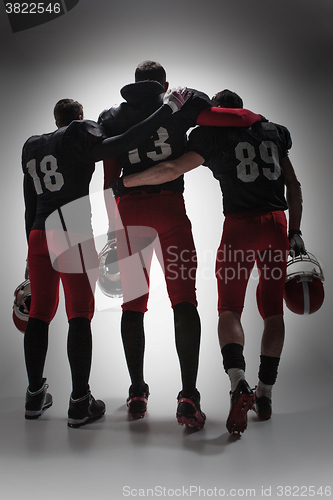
point(109, 276)
point(21, 307)
point(304, 289)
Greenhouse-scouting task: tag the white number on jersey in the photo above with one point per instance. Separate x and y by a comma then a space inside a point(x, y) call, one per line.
point(53, 180)
point(162, 148)
point(248, 170)
point(270, 154)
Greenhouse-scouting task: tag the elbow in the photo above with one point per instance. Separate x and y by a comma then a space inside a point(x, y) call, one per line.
point(298, 188)
point(170, 173)
point(294, 193)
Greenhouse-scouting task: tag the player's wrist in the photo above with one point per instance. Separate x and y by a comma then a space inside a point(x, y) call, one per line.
point(117, 186)
point(173, 106)
point(176, 98)
point(293, 232)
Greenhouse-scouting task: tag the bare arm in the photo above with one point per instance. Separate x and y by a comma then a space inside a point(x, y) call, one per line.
point(165, 171)
point(293, 194)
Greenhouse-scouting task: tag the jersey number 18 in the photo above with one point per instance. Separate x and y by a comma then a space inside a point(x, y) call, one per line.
point(52, 180)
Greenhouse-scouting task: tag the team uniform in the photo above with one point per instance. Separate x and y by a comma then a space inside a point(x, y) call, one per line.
point(57, 171)
point(138, 207)
point(246, 163)
point(58, 168)
point(151, 217)
point(160, 207)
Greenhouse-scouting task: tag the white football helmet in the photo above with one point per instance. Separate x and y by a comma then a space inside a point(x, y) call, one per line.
point(109, 276)
point(304, 289)
point(21, 307)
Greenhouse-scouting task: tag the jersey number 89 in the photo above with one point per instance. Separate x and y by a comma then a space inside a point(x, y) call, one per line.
point(248, 170)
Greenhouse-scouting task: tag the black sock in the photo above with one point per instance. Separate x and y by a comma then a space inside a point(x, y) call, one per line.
point(268, 369)
point(35, 349)
point(133, 337)
point(233, 356)
point(187, 335)
point(79, 350)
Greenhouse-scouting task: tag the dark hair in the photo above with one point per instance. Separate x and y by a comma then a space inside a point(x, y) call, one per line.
point(227, 99)
point(67, 110)
point(150, 70)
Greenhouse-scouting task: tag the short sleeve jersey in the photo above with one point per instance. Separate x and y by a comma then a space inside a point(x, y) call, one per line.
point(58, 168)
point(169, 141)
point(246, 162)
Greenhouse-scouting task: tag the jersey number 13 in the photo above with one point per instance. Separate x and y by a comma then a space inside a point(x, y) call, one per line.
point(162, 148)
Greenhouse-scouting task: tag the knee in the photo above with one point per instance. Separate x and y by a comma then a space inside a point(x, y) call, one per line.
point(184, 308)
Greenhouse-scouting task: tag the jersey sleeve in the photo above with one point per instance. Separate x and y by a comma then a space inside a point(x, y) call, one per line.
point(30, 197)
point(226, 117)
point(287, 140)
point(200, 141)
point(107, 121)
point(88, 135)
point(120, 144)
point(102, 116)
point(194, 106)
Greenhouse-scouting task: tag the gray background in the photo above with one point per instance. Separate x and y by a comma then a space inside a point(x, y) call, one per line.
point(278, 57)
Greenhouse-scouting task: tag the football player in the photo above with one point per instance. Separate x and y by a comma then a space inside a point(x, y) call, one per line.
point(57, 168)
point(253, 167)
point(161, 209)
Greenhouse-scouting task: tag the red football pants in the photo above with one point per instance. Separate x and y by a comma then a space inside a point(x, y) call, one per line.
point(71, 267)
point(250, 238)
point(155, 222)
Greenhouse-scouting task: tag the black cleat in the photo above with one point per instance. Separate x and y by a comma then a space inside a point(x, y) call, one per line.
point(189, 411)
point(37, 402)
point(137, 402)
point(241, 401)
point(84, 410)
point(263, 407)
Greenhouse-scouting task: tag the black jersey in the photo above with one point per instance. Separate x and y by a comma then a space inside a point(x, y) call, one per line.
point(246, 162)
point(58, 168)
point(168, 142)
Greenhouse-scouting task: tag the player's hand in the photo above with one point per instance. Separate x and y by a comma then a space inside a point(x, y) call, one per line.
point(117, 186)
point(175, 98)
point(296, 244)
